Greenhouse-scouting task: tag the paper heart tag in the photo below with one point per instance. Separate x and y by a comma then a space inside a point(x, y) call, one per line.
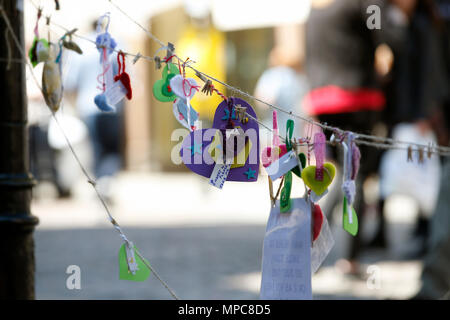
point(39, 51)
point(351, 228)
point(161, 89)
point(196, 155)
point(319, 187)
point(115, 93)
point(183, 90)
point(124, 274)
point(180, 113)
point(42, 50)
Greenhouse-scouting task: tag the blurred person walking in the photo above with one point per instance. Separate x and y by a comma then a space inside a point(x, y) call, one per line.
point(283, 84)
point(105, 129)
point(340, 56)
point(436, 270)
point(416, 99)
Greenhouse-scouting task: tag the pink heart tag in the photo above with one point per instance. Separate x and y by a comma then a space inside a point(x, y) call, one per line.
point(267, 157)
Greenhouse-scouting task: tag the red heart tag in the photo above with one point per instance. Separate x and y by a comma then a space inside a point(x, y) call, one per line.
point(125, 79)
point(123, 76)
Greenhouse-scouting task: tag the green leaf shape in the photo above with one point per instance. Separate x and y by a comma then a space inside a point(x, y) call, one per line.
point(124, 274)
point(353, 227)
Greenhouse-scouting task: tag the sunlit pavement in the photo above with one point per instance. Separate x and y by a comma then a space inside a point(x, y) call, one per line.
point(205, 243)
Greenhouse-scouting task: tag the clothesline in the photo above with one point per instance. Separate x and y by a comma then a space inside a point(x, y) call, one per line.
point(374, 141)
point(360, 136)
point(364, 139)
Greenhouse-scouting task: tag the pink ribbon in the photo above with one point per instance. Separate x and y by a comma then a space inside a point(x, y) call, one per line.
point(319, 152)
point(356, 157)
point(190, 87)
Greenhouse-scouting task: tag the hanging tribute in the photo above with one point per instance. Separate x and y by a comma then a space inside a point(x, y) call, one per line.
point(229, 151)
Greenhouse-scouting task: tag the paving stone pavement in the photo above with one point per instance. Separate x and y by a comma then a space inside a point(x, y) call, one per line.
point(202, 254)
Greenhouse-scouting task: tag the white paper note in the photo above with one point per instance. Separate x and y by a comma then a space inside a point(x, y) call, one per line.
point(322, 246)
point(286, 264)
point(280, 167)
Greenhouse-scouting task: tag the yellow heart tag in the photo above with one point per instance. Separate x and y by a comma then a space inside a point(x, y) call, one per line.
point(319, 187)
point(215, 150)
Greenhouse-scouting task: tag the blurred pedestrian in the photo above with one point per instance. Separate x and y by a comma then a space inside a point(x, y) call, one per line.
point(283, 84)
point(416, 99)
point(105, 129)
point(436, 270)
point(340, 56)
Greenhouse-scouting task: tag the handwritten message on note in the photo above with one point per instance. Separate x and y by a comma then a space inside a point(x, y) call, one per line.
point(219, 175)
point(286, 263)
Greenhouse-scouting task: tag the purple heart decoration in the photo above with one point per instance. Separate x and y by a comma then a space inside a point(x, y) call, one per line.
point(196, 147)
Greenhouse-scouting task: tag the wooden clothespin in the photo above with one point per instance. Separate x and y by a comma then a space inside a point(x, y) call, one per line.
point(409, 154)
point(429, 152)
point(170, 51)
point(273, 198)
point(240, 113)
point(208, 87)
point(137, 57)
point(157, 60)
point(421, 154)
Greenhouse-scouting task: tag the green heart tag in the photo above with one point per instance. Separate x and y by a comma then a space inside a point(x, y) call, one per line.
point(166, 86)
point(36, 55)
point(319, 187)
point(296, 170)
point(285, 198)
point(124, 274)
point(161, 89)
point(351, 228)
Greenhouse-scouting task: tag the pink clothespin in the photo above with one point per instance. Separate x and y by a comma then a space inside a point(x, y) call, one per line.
point(271, 154)
point(276, 136)
point(319, 152)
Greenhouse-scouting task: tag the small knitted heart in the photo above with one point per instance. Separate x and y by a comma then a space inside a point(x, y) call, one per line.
point(319, 187)
point(125, 79)
point(124, 274)
point(318, 221)
point(102, 103)
point(351, 228)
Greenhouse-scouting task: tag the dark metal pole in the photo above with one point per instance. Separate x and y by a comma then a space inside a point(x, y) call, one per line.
point(16, 222)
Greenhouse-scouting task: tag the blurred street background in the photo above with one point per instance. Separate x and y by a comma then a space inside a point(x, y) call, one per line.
point(204, 242)
point(202, 248)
